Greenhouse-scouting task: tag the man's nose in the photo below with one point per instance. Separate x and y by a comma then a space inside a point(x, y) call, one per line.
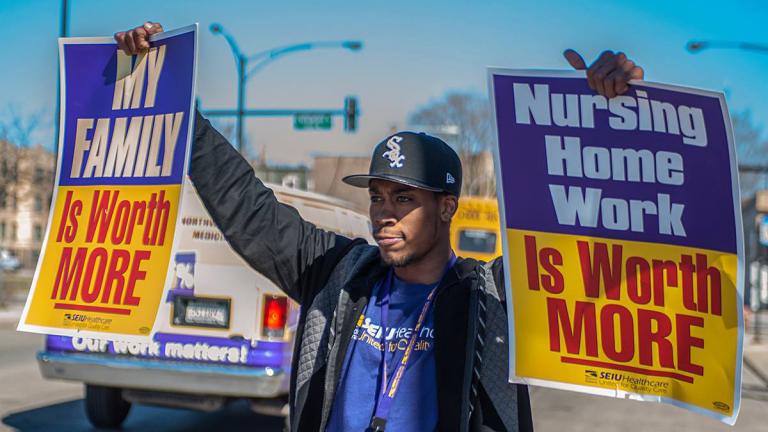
point(383, 215)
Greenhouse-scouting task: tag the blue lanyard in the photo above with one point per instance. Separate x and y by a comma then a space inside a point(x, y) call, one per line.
point(390, 385)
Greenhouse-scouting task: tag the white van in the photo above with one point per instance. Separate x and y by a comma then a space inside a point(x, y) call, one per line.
point(227, 331)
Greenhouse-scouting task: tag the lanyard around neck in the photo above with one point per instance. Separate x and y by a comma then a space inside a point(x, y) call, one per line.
point(390, 385)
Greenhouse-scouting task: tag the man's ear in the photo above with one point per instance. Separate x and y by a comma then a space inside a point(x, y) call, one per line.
point(448, 206)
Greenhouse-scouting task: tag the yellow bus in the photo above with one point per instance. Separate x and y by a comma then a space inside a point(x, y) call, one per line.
point(475, 229)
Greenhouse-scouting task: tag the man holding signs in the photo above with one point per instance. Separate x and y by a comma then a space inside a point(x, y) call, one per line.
point(614, 287)
point(404, 336)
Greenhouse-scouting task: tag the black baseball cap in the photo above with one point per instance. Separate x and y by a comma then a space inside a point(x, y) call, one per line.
point(414, 159)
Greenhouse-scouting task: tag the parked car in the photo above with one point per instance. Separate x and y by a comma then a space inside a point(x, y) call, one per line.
point(8, 261)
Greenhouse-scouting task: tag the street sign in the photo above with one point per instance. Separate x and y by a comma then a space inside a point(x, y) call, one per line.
point(312, 121)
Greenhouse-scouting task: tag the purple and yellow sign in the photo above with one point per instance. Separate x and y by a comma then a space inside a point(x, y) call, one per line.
point(623, 240)
point(126, 124)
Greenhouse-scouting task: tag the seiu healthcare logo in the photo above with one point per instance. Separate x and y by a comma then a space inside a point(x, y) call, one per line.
point(397, 337)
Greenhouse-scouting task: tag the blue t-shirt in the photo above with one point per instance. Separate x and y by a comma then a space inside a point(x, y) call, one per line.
point(415, 404)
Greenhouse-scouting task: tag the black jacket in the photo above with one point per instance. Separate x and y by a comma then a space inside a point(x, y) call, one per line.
point(332, 277)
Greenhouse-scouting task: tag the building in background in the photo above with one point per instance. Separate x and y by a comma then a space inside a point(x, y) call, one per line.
point(26, 187)
point(327, 172)
point(292, 176)
point(326, 175)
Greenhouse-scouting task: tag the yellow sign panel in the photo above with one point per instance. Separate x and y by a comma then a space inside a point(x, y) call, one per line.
point(643, 318)
point(108, 254)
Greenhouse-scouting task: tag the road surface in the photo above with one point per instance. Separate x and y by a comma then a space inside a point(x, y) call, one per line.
point(29, 403)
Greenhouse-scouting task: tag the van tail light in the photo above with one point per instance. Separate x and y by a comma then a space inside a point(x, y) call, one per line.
point(274, 315)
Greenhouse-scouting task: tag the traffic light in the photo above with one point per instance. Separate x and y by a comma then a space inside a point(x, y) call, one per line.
point(350, 114)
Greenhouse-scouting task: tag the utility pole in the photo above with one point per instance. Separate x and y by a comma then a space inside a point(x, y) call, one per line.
point(240, 100)
point(261, 59)
point(63, 32)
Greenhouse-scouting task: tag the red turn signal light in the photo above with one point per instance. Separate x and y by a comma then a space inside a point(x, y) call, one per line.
point(275, 314)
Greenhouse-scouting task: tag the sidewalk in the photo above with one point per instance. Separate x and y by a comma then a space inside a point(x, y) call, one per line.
point(755, 371)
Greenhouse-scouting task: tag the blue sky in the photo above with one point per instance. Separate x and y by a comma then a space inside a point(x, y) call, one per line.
point(415, 51)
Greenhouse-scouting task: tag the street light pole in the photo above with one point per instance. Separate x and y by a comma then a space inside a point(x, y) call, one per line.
point(240, 100)
point(264, 58)
point(63, 32)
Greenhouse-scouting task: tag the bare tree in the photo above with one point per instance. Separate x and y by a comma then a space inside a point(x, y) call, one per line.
point(16, 131)
point(20, 129)
point(466, 117)
point(463, 120)
point(26, 180)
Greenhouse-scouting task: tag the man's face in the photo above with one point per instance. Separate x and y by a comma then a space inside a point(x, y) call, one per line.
point(406, 221)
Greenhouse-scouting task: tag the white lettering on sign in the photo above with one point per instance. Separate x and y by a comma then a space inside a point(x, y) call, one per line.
point(205, 352)
point(566, 157)
point(587, 207)
point(534, 104)
point(130, 77)
point(129, 147)
point(173, 350)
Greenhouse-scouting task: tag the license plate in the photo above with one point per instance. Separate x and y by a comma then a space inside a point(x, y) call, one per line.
point(201, 312)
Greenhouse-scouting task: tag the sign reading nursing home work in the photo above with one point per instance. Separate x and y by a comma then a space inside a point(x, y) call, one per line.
point(623, 240)
point(126, 124)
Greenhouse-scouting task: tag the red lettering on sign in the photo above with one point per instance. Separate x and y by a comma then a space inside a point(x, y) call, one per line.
point(68, 224)
point(660, 269)
point(117, 266)
point(69, 273)
point(647, 336)
point(92, 273)
point(626, 332)
point(550, 259)
point(685, 341)
point(638, 280)
point(705, 275)
point(602, 265)
point(115, 219)
point(553, 281)
point(135, 275)
point(532, 262)
point(583, 325)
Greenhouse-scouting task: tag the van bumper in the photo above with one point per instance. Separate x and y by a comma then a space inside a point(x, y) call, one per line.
point(163, 375)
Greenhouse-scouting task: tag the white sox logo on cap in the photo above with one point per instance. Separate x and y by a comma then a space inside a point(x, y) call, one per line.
point(393, 154)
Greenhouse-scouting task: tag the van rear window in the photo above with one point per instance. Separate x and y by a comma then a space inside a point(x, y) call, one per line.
point(477, 241)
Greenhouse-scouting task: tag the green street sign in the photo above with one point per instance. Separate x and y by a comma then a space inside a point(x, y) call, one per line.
point(312, 121)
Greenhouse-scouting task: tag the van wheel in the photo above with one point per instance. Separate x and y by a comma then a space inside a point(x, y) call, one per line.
point(105, 406)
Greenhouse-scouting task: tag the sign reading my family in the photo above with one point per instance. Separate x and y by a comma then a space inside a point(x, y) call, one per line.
point(623, 241)
point(126, 124)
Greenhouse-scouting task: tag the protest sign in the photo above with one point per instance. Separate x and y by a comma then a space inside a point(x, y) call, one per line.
point(126, 125)
point(623, 246)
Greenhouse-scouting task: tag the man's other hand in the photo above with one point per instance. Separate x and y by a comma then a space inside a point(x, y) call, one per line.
point(136, 40)
point(609, 75)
